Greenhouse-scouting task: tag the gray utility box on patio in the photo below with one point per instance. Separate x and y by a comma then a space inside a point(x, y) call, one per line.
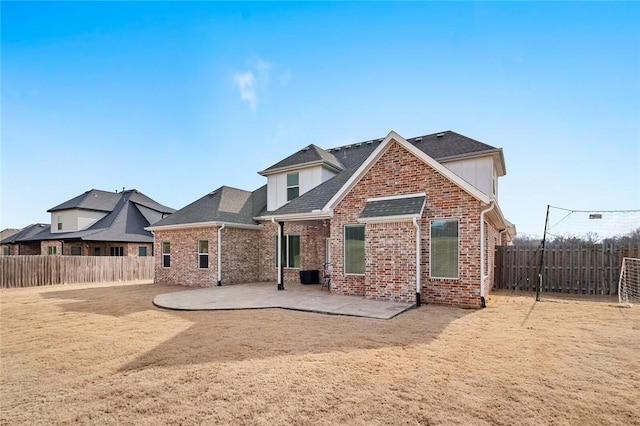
point(310, 277)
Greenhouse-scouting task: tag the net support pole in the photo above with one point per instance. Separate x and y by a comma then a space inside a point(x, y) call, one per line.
point(541, 264)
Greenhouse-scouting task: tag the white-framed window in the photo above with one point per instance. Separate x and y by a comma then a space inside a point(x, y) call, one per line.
point(291, 250)
point(117, 251)
point(354, 249)
point(293, 185)
point(203, 254)
point(59, 222)
point(166, 254)
point(52, 250)
point(445, 248)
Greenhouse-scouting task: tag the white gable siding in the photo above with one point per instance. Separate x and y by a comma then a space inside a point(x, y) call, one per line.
point(309, 178)
point(74, 220)
point(479, 172)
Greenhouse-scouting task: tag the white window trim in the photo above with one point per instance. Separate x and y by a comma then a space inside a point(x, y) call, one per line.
point(292, 186)
point(459, 220)
point(344, 251)
point(165, 254)
point(203, 254)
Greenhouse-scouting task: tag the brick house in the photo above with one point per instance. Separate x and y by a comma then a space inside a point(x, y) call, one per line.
point(95, 223)
point(405, 220)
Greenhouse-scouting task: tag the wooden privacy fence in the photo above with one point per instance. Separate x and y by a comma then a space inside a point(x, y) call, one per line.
point(585, 269)
point(30, 271)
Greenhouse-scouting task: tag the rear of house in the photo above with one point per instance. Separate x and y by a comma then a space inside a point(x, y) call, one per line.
point(405, 220)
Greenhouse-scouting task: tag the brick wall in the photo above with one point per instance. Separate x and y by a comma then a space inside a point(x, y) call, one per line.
point(44, 247)
point(399, 172)
point(184, 257)
point(390, 267)
point(240, 255)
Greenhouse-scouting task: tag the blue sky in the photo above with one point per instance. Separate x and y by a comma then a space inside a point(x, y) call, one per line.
point(177, 99)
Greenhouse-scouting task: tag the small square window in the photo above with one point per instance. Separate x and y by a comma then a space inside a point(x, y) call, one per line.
point(142, 251)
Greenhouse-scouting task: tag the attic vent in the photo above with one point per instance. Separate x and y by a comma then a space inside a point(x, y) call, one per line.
point(336, 149)
point(439, 135)
point(358, 144)
point(347, 147)
point(418, 140)
point(379, 140)
point(305, 148)
point(369, 142)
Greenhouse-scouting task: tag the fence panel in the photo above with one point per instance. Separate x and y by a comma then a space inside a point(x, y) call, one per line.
point(586, 269)
point(30, 271)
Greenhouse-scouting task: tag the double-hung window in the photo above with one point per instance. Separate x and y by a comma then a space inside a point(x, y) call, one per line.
point(445, 248)
point(354, 249)
point(166, 254)
point(203, 254)
point(117, 251)
point(293, 186)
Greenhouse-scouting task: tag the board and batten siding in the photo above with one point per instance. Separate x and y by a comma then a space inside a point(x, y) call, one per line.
point(310, 177)
point(75, 219)
point(479, 172)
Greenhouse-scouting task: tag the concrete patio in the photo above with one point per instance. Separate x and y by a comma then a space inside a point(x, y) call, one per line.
point(298, 297)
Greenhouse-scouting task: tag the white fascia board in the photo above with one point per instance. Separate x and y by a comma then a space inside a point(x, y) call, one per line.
point(397, 197)
point(388, 219)
point(202, 225)
point(381, 149)
point(296, 217)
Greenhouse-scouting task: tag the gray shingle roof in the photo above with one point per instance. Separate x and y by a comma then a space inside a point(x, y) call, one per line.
point(439, 146)
point(27, 232)
point(393, 207)
point(125, 222)
point(225, 204)
point(307, 155)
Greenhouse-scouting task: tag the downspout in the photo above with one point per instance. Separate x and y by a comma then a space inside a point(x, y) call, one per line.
point(418, 284)
point(220, 254)
point(483, 302)
point(279, 254)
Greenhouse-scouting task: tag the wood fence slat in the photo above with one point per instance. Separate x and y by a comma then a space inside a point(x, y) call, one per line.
point(31, 271)
point(586, 269)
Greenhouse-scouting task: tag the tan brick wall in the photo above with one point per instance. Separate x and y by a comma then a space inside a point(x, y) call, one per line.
point(398, 172)
point(240, 255)
point(184, 257)
point(44, 247)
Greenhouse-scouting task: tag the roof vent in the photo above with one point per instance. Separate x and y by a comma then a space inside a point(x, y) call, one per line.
point(369, 142)
point(336, 149)
point(358, 144)
point(347, 147)
point(418, 139)
point(306, 148)
point(439, 135)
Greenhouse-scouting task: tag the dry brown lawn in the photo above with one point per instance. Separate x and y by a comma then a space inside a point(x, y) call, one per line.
point(102, 354)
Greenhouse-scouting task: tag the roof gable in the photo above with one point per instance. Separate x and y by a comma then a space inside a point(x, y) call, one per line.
point(391, 138)
point(307, 156)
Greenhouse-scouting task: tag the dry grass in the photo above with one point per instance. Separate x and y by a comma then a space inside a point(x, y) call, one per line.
point(102, 354)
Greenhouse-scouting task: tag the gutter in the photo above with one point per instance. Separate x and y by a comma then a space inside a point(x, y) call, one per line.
point(483, 302)
point(220, 253)
point(418, 283)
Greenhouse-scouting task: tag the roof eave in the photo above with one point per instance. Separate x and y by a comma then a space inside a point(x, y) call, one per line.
point(269, 172)
point(211, 224)
point(293, 217)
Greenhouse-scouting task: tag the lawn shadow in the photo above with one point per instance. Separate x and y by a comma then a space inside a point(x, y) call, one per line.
point(238, 335)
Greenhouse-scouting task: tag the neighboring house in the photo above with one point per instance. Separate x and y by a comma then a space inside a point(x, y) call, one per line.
point(404, 220)
point(96, 223)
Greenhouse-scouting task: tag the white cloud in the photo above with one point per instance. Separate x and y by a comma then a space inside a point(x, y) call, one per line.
point(247, 84)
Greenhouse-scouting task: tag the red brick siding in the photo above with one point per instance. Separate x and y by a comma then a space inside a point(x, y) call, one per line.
point(390, 267)
point(399, 172)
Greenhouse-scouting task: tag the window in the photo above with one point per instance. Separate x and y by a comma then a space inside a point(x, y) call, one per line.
point(142, 251)
point(59, 223)
point(166, 254)
point(293, 186)
point(203, 254)
point(6, 251)
point(444, 248)
point(117, 251)
point(76, 251)
point(51, 250)
point(354, 249)
point(291, 250)
point(96, 251)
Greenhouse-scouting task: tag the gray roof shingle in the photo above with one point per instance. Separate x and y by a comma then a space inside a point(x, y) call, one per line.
point(393, 207)
point(307, 155)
